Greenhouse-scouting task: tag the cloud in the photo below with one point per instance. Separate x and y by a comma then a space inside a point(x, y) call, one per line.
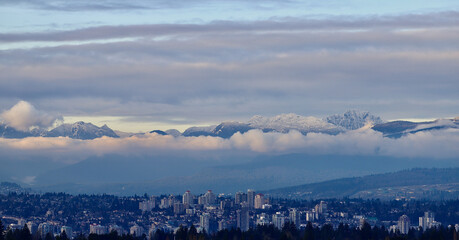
point(397, 66)
point(439, 144)
point(287, 26)
point(24, 115)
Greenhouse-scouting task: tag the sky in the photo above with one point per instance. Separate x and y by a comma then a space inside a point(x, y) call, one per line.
point(144, 65)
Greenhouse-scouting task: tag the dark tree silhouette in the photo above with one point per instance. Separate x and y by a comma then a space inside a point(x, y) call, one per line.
point(309, 232)
point(2, 229)
point(25, 233)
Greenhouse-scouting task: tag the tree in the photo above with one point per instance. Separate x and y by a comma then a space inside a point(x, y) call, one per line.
point(181, 233)
point(9, 235)
point(289, 231)
point(49, 236)
point(63, 236)
point(1, 230)
point(25, 233)
point(309, 232)
point(327, 232)
point(80, 237)
point(192, 233)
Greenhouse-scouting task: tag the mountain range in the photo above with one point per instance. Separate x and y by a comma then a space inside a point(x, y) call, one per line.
point(334, 124)
point(283, 123)
point(78, 130)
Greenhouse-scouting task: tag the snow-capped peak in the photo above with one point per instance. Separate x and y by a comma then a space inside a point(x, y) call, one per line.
point(289, 121)
point(353, 119)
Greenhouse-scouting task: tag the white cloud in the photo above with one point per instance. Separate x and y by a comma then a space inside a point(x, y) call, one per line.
point(435, 144)
point(24, 115)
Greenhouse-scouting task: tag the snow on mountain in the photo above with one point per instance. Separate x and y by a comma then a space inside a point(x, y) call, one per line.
point(282, 123)
point(122, 134)
point(286, 122)
point(228, 129)
point(173, 132)
point(10, 132)
point(199, 131)
point(353, 119)
point(224, 130)
point(81, 130)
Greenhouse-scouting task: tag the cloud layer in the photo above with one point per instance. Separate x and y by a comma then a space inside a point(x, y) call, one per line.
point(402, 66)
point(364, 142)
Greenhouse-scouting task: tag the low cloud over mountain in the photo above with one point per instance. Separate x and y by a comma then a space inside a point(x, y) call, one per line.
point(315, 149)
point(24, 116)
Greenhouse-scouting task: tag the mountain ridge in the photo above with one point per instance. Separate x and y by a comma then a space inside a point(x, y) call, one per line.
point(345, 187)
point(282, 123)
point(77, 130)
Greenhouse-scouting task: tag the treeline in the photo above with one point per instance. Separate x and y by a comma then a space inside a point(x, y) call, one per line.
point(267, 232)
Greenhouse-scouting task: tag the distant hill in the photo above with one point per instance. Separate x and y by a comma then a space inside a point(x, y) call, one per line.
point(175, 173)
point(350, 187)
point(159, 132)
point(9, 187)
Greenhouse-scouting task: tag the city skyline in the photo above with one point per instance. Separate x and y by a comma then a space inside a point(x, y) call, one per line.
point(308, 106)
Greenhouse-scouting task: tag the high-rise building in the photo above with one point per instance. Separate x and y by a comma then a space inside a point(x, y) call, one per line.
point(278, 220)
point(404, 224)
point(136, 231)
point(294, 216)
point(205, 221)
point(179, 208)
point(210, 198)
point(187, 198)
point(242, 218)
point(226, 204)
point(117, 229)
point(311, 216)
point(428, 221)
point(240, 197)
point(259, 201)
point(68, 231)
point(171, 200)
point(164, 203)
point(45, 228)
point(202, 200)
point(97, 229)
point(222, 225)
point(147, 206)
point(322, 207)
point(33, 227)
point(263, 219)
point(251, 198)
